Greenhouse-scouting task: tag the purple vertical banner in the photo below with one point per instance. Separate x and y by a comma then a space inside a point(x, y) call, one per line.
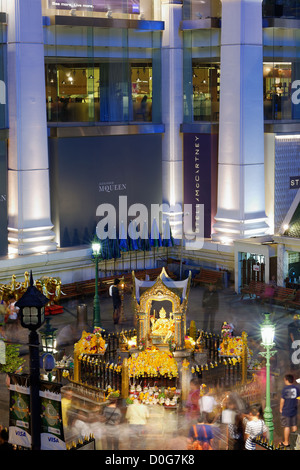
point(200, 175)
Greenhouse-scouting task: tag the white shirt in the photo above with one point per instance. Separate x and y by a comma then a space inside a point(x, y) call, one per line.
point(137, 413)
point(207, 404)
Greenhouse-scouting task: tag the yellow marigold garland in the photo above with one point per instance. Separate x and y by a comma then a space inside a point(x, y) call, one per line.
point(233, 346)
point(152, 362)
point(90, 343)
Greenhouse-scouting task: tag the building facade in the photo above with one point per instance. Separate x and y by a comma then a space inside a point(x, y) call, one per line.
point(149, 102)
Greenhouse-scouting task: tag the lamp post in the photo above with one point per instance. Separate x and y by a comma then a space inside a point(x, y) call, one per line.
point(267, 335)
point(31, 306)
point(48, 338)
point(96, 247)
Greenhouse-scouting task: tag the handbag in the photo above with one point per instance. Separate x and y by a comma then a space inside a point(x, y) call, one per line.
point(199, 445)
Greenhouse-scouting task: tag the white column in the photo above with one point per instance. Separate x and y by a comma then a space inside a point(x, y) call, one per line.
point(29, 224)
point(241, 195)
point(172, 109)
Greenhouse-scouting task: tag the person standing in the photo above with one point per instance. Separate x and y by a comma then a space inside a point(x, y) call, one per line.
point(255, 427)
point(288, 408)
point(137, 415)
point(202, 432)
point(210, 304)
point(191, 408)
point(116, 299)
point(207, 403)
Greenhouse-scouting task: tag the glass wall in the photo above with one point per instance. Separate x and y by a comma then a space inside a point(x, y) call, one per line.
point(281, 73)
point(277, 90)
point(121, 9)
point(102, 92)
point(102, 75)
point(281, 8)
point(195, 9)
point(206, 91)
point(201, 72)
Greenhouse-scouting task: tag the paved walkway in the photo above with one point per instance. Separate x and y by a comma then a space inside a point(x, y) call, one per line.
point(246, 315)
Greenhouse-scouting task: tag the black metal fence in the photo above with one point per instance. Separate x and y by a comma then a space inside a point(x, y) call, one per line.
point(98, 373)
point(112, 340)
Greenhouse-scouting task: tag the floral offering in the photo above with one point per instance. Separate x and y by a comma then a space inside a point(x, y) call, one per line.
point(233, 346)
point(167, 397)
point(152, 362)
point(189, 342)
point(226, 330)
point(90, 343)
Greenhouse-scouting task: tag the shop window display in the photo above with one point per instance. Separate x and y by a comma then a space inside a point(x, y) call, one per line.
point(280, 8)
point(206, 90)
point(106, 92)
point(141, 82)
point(279, 103)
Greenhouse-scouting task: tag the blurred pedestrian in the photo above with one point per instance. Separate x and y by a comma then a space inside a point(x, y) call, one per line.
point(116, 299)
point(112, 418)
point(207, 403)
point(192, 409)
point(210, 304)
point(236, 431)
point(12, 310)
point(137, 415)
point(288, 408)
point(201, 433)
point(79, 424)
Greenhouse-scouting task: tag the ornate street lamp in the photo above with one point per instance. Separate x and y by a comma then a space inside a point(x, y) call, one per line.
point(48, 338)
point(96, 248)
point(31, 306)
point(267, 335)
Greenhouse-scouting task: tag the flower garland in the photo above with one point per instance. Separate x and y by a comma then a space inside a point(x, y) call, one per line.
point(152, 362)
point(233, 346)
point(189, 343)
point(90, 343)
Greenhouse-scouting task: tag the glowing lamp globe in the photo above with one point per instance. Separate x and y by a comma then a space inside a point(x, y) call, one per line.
point(267, 331)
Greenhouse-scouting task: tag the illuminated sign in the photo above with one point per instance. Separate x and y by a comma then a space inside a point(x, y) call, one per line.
point(130, 6)
point(294, 182)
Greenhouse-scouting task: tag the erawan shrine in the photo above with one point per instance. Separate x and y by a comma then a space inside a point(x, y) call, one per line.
point(155, 364)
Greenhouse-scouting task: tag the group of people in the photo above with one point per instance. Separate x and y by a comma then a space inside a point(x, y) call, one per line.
point(244, 424)
point(109, 427)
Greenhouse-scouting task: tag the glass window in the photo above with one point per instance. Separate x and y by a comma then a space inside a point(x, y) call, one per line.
point(198, 9)
point(121, 9)
point(281, 72)
point(70, 92)
point(103, 92)
point(206, 90)
point(277, 90)
point(102, 75)
point(201, 74)
point(141, 88)
point(281, 8)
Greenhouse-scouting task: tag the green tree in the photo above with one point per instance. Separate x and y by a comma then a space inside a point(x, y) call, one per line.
point(13, 359)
